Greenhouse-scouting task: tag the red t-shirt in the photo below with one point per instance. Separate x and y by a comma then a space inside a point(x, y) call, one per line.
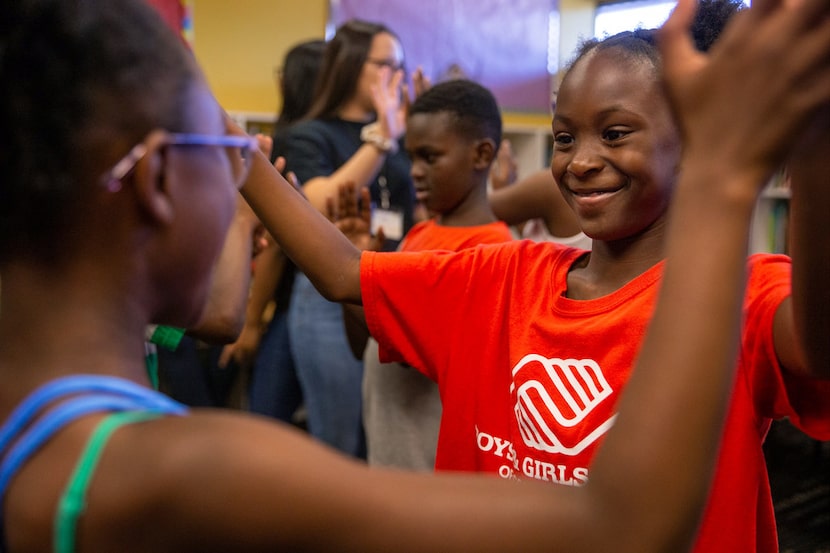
point(529, 379)
point(428, 235)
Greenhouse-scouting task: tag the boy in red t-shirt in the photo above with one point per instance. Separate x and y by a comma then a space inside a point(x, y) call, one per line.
point(453, 133)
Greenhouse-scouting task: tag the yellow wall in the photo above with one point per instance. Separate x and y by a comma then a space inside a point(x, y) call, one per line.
point(239, 43)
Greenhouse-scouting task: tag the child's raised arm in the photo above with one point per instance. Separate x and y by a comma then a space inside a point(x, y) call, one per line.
point(649, 481)
point(696, 324)
point(217, 480)
point(809, 309)
point(316, 246)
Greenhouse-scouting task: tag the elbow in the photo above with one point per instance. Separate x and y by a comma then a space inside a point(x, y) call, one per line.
point(219, 329)
point(338, 290)
point(340, 282)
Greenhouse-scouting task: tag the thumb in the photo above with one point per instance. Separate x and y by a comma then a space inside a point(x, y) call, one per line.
point(225, 356)
point(380, 238)
point(265, 143)
point(279, 164)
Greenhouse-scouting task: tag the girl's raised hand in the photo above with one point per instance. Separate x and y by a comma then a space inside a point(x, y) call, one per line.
point(763, 79)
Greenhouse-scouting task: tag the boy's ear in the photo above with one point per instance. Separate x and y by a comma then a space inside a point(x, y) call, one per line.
point(485, 153)
point(150, 180)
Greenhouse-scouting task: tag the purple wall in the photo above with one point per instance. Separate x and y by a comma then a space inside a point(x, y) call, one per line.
point(502, 44)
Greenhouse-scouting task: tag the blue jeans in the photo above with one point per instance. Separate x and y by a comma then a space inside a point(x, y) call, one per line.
point(329, 374)
point(274, 389)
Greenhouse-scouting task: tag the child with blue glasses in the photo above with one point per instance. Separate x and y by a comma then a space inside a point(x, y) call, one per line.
point(92, 459)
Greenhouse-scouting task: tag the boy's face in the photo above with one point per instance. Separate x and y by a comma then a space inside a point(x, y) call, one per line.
point(443, 163)
point(616, 147)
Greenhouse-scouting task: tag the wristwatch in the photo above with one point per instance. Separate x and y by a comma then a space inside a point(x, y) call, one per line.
point(371, 134)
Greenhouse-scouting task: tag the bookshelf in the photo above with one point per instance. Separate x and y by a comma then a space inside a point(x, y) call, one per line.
point(770, 222)
point(531, 139)
point(255, 122)
point(529, 135)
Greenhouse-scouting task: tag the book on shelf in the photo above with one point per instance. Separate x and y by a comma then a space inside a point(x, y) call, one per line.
point(779, 223)
point(779, 185)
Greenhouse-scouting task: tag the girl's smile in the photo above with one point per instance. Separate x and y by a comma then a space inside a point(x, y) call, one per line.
point(615, 146)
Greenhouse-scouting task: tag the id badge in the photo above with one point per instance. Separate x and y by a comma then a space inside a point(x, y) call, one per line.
point(390, 220)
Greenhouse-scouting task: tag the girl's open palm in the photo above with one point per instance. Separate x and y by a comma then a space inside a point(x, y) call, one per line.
point(766, 75)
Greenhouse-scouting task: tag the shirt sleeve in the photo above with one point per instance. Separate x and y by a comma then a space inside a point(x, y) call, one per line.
point(778, 393)
point(416, 303)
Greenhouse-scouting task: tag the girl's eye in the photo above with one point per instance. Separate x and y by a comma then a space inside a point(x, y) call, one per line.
point(563, 139)
point(615, 134)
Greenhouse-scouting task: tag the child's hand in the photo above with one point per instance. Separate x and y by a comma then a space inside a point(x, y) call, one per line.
point(420, 84)
point(352, 215)
point(763, 79)
point(387, 100)
point(243, 351)
point(265, 143)
point(504, 171)
point(246, 216)
point(279, 165)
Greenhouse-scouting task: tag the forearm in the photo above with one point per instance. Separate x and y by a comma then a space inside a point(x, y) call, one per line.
point(224, 313)
point(810, 250)
point(672, 410)
point(357, 332)
point(361, 169)
point(269, 266)
point(535, 197)
point(516, 204)
point(314, 244)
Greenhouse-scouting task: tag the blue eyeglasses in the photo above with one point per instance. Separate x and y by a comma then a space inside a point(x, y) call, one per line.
point(239, 149)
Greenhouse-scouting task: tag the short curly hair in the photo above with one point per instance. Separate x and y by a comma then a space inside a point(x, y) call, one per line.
point(475, 108)
point(76, 80)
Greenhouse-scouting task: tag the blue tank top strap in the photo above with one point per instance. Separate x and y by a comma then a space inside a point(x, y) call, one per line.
point(69, 385)
point(54, 420)
point(20, 437)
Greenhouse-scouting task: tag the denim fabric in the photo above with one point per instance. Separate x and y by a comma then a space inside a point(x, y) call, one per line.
point(329, 374)
point(274, 389)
